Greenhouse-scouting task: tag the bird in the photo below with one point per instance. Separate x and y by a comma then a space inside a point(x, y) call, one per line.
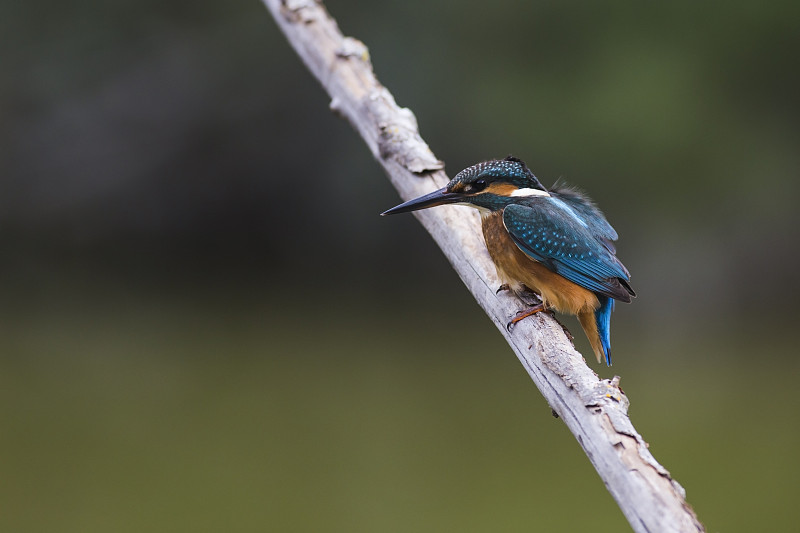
point(553, 244)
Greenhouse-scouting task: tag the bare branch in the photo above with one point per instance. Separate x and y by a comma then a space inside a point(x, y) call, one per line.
point(595, 410)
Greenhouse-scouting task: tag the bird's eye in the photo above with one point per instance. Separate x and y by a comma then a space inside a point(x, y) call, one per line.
point(478, 186)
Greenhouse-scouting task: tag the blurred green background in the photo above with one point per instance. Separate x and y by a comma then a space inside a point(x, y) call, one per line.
point(205, 326)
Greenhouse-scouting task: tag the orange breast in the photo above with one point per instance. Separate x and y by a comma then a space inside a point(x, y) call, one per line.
point(517, 269)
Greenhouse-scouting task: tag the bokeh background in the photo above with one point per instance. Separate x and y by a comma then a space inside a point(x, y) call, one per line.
point(205, 326)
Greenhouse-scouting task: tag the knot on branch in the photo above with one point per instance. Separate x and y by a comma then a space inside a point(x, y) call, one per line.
point(300, 10)
point(605, 392)
point(354, 48)
point(399, 138)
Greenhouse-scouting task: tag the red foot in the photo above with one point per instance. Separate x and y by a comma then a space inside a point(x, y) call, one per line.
point(525, 313)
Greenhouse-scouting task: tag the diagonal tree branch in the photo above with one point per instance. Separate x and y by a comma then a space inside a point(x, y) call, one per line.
point(594, 410)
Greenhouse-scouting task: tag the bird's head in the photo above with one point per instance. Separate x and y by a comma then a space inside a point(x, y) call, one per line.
point(490, 185)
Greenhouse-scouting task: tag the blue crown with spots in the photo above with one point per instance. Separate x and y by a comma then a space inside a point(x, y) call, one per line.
point(511, 170)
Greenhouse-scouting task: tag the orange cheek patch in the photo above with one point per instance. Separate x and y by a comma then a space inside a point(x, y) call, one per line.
point(500, 189)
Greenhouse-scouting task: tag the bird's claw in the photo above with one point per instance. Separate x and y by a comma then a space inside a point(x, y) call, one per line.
point(525, 313)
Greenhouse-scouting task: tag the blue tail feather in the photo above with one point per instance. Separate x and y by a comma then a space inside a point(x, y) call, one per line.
point(603, 318)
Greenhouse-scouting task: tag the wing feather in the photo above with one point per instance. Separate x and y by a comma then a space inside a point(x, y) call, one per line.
point(567, 244)
point(588, 211)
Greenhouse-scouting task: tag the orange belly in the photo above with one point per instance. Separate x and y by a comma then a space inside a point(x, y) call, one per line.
point(517, 269)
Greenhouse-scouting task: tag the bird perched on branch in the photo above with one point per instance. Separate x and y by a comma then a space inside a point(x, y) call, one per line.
point(554, 243)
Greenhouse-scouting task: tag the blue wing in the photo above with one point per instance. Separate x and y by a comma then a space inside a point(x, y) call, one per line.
point(548, 231)
point(588, 211)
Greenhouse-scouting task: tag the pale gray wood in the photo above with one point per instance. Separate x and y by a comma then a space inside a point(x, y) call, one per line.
point(594, 409)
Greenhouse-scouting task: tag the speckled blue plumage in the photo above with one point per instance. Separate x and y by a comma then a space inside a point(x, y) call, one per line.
point(583, 206)
point(510, 170)
point(552, 233)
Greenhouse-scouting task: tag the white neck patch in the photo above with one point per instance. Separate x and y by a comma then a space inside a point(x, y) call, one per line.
point(530, 192)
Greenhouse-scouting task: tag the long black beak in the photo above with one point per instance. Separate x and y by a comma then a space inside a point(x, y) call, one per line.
point(442, 196)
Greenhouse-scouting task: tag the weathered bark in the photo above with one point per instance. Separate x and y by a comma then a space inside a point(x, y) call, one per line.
point(595, 410)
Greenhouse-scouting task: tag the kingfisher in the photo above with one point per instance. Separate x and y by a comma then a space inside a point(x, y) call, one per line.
point(555, 245)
